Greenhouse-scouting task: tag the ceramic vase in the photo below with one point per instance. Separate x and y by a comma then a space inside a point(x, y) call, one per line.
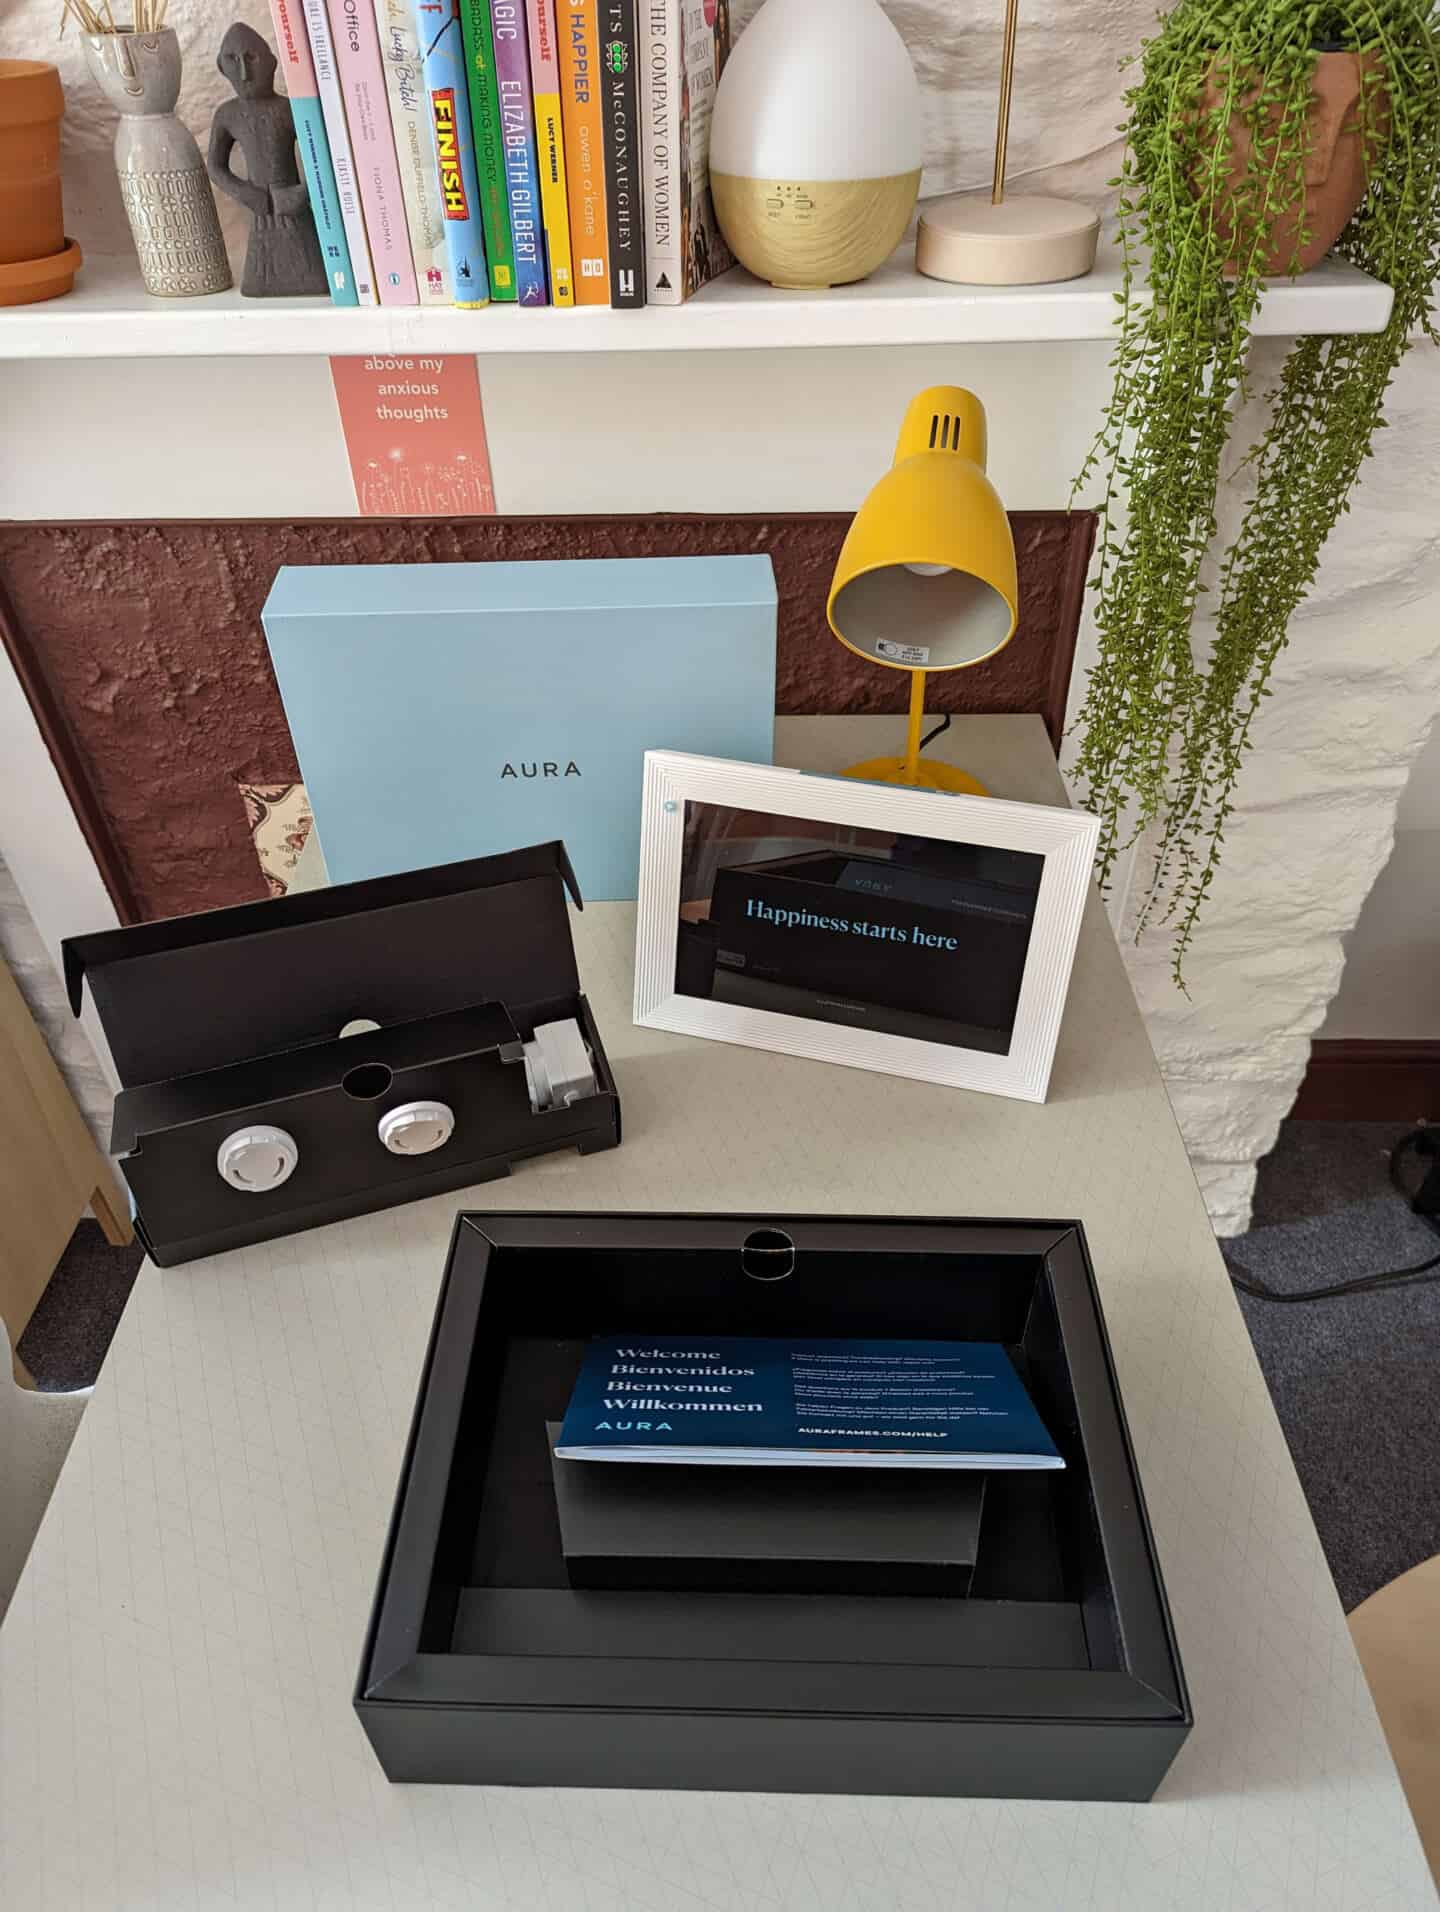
point(163, 181)
point(36, 261)
point(815, 142)
point(1337, 163)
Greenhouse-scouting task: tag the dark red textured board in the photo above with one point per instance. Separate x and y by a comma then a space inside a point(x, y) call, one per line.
point(141, 650)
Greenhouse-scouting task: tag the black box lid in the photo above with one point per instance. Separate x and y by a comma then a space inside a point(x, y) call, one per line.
point(200, 992)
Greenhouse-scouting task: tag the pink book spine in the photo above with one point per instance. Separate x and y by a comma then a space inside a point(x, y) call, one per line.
point(377, 169)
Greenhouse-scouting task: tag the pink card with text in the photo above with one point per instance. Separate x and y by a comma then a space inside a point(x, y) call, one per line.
point(415, 432)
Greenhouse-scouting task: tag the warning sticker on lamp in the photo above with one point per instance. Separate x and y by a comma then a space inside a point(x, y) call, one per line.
point(917, 656)
point(415, 433)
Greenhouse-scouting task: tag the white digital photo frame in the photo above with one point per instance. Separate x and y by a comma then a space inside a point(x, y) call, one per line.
point(907, 931)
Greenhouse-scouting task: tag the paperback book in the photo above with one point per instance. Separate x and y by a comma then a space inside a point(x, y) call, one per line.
point(623, 189)
point(298, 70)
point(517, 128)
point(342, 158)
point(489, 146)
point(742, 1401)
point(550, 148)
point(584, 132)
point(686, 43)
point(442, 52)
point(414, 148)
point(377, 169)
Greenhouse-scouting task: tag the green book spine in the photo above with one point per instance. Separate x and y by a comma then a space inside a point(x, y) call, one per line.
point(489, 146)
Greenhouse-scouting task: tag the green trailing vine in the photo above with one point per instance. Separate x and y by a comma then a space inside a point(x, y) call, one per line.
point(1165, 723)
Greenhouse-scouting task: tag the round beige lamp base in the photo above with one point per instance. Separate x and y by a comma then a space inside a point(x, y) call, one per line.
point(804, 235)
point(968, 240)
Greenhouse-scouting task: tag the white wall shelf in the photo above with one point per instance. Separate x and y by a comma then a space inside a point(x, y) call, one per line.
point(109, 316)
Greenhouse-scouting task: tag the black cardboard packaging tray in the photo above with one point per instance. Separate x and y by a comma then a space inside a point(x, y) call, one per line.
point(1058, 1677)
point(231, 1019)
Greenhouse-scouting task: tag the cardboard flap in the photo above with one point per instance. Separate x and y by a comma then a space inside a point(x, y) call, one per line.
point(151, 1107)
point(200, 992)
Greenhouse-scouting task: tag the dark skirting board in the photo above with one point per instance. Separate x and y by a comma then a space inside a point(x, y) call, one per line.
point(141, 651)
point(1370, 1080)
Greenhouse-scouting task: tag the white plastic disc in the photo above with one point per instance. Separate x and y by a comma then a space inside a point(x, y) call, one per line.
point(257, 1160)
point(415, 1128)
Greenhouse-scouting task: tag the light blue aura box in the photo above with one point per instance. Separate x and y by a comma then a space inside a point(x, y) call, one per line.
point(442, 711)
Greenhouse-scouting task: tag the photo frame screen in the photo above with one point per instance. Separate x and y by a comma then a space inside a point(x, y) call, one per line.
point(907, 935)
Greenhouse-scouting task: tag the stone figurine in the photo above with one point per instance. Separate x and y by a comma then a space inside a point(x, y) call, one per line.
point(167, 197)
point(283, 258)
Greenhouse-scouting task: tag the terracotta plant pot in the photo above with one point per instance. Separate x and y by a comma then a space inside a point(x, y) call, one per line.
point(1336, 167)
point(36, 260)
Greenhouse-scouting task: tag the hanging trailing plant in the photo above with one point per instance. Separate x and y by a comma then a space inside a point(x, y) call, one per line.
point(1242, 126)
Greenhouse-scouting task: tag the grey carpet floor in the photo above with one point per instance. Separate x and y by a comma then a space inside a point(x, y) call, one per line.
point(1355, 1380)
point(65, 1339)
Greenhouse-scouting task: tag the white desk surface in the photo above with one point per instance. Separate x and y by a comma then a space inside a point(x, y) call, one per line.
point(176, 1668)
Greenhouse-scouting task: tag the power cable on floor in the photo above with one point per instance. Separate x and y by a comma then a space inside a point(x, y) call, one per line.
point(1423, 1201)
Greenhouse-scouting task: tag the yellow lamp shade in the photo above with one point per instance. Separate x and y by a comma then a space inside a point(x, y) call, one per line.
point(926, 578)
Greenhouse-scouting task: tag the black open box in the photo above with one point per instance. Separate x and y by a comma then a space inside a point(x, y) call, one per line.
point(231, 1019)
point(1058, 1677)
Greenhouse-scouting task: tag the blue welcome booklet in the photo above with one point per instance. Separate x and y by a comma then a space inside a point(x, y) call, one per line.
point(740, 1401)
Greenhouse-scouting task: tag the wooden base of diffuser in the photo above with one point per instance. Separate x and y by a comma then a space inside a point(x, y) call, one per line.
point(806, 234)
point(1027, 240)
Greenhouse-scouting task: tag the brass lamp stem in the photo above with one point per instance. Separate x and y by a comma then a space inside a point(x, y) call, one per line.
point(1007, 82)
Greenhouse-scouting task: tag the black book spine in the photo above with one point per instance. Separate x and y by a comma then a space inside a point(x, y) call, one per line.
point(619, 53)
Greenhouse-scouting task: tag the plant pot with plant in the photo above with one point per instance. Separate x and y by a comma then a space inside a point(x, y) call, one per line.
point(1258, 133)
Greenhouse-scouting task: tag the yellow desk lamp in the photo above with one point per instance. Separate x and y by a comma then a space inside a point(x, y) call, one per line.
point(926, 578)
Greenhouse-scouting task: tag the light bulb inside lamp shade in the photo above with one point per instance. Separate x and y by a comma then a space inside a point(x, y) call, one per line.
point(930, 618)
point(815, 150)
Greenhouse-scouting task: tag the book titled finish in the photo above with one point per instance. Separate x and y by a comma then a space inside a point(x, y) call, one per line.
point(443, 53)
point(741, 1401)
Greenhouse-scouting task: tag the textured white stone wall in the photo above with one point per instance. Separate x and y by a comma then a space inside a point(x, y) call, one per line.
point(1355, 692)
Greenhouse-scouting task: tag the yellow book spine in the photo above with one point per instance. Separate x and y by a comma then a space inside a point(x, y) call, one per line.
point(550, 148)
point(554, 198)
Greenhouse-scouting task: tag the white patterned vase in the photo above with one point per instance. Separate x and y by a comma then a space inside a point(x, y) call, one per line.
point(167, 193)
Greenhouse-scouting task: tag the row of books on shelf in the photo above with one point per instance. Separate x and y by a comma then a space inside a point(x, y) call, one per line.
point(533, 152)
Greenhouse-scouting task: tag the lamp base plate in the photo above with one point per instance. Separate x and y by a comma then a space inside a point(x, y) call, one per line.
point(930, 776)
point(1026, 240)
